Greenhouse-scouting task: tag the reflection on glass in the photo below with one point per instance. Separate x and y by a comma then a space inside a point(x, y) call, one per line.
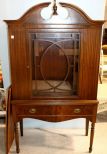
point(55, 63)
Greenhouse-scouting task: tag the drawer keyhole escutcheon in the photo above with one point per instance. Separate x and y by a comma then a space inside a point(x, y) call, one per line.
point(32, 110)
point(77, 110)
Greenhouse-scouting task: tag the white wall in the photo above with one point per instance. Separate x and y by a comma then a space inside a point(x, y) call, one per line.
point(4, 43)
point(105, 24)
point(13, 9)
point(94, 8)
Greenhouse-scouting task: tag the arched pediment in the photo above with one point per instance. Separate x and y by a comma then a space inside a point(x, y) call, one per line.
point(76, 17)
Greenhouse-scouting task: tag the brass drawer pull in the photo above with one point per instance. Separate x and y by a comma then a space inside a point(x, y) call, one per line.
point(77, 110)
point(33, 110)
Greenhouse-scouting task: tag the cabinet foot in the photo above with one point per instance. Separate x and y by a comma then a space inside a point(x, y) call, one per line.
point(90, 150)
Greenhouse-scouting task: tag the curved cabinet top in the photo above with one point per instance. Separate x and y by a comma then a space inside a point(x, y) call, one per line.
point(75, 18)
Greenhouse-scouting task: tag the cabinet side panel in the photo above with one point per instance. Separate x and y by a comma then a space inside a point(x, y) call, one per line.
point(19, 71)
point(89, 63)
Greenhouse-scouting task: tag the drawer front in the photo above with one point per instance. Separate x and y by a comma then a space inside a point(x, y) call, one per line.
point(54, 110)
point(75, 110)
point(36, 110)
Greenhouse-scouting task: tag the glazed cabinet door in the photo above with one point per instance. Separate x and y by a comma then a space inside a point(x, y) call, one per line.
point(19, 64)
point(54, 67)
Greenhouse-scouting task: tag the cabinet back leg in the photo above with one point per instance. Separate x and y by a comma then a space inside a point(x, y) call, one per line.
point(16, 137)
point(87, 127)
point(21, 127)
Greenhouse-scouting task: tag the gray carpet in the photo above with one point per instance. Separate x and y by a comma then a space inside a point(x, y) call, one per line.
point(62, 141)
point(102, 117)
point(53, 141)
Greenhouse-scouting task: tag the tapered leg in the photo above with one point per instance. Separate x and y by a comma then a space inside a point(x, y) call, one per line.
point(100, 78)
point(21, 127)
point(91, 136)
point(16, 137)
point(87, 127)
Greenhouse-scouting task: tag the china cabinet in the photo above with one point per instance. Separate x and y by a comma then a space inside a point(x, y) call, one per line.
point(54, 67)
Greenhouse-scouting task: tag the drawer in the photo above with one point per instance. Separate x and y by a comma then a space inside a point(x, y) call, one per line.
point(54, 109)
point(36, 110)
point(75, 110)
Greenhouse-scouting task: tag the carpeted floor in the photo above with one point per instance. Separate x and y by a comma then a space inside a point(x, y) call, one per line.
point(102, 96)
point(62, 141)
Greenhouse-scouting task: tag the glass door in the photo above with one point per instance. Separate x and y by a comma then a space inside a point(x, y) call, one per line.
point(55, 64)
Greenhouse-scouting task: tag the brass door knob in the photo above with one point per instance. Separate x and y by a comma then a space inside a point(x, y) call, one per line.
point(77, 110)
point(32, 110)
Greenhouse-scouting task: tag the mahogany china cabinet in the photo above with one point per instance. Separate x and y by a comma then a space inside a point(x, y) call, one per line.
point(54, 67)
